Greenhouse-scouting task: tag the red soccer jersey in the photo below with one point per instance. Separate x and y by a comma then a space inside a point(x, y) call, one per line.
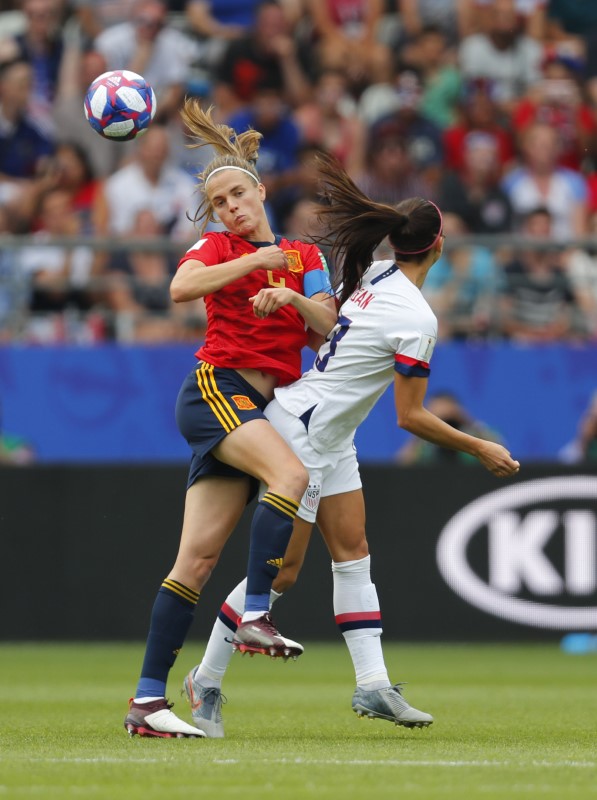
point(235, 337)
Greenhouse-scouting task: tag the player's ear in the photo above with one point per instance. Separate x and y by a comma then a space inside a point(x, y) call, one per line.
point(262, 192)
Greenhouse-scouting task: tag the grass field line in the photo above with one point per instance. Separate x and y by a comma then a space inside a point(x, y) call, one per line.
point(300, 761)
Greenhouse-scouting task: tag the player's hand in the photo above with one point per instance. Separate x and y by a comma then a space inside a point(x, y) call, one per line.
point(266, 301)
point(498, 460)
point(272, 257)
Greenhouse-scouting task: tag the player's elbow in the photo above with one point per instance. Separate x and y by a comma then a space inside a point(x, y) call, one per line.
point(178, 293)
point(407, 420)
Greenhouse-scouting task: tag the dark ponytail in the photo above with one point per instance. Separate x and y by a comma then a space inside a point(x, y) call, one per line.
point(358, 225)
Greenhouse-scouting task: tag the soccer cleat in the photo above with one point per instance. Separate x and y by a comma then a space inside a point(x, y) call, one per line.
point(156, 719)
point(388, 704)
point(206, 706)
point(261, 636)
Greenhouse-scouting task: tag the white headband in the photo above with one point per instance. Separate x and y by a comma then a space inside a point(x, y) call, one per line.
point(242, 169)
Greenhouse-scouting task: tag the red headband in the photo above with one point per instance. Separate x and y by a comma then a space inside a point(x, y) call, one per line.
point(433, 243)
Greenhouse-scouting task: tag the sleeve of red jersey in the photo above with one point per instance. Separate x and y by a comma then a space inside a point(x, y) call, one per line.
point(316, 277)
point(206, 250)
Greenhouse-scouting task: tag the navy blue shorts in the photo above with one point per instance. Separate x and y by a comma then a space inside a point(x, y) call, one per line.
point(213, 402)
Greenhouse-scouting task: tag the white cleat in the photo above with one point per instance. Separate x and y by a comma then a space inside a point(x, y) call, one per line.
point(156, 719)
point(261, 636)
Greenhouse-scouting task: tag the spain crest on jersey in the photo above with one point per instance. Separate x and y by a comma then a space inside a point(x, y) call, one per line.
point(243, 402)
point(293, 257)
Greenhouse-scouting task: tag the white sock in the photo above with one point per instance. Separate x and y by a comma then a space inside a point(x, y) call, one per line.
point(218, 652)
point(146, 699)
point(356, 608)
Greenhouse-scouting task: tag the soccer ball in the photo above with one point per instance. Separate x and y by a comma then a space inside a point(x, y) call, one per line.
point(119, 105)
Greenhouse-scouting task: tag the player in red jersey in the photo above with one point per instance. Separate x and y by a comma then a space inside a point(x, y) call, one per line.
point(274, 347)
point(263, 295)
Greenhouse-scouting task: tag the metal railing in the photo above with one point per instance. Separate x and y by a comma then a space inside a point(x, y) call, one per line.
point(18, 322)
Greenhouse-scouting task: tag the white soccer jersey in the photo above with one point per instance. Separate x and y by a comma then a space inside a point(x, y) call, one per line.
point(386, 325)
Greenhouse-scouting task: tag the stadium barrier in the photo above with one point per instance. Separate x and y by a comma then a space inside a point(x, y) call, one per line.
point(101, 321)
point(456, 554)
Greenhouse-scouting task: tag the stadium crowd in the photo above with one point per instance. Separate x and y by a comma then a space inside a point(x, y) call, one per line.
point(487, 107)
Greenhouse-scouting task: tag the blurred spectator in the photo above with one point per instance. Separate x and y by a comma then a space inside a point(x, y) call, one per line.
point(537, 302)
point(440, 77)
point(532, 14)
point(450, 409)
point(581, 266)
point(147, 182)
point(474, 192)
point(308, 184)
point(75, 175)
point(557, 101)
point(41, 46)
point(479, 112)
point(583, 448)
point(345, 37)
point(278, 150)
point(24, 149)
point(504, 54)
point(138, 290)
point(216, 22)
point(14, 450)
point(303, 222)
point(94, 16)
point(380, 97)
point(390, 174)
point(450, 16)
point(148, 45)
point(269, 52)
point(78, 69)
point(462, 287)
point(539, 181)
point(421, 136)
point(59, 277)
point(23, 143)
point(330, 121)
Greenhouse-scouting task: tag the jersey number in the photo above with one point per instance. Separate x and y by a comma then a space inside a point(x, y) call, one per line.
point(273, 281)
point(344, 323)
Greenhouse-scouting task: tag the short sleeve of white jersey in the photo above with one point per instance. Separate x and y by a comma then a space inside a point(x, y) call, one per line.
point(412, 333)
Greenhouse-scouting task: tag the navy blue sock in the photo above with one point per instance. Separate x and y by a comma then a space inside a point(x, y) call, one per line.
point(171, 618)
point(271, 530)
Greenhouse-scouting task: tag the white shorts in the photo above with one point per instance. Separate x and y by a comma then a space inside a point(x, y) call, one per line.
point(329, 473)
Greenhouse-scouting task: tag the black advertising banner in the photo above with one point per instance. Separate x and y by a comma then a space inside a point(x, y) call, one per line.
point(457, 555)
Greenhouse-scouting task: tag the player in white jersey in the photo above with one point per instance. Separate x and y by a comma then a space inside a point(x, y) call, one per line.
point(385, 333)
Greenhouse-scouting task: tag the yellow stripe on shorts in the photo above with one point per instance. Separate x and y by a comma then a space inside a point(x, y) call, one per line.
point(215, 399)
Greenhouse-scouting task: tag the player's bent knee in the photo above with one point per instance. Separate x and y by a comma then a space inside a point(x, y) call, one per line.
point(293, 483)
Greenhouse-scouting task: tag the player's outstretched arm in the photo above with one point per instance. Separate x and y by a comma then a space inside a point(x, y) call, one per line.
point(409, 394)
point(194, 279)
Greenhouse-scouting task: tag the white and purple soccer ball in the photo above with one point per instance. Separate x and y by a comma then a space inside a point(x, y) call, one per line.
point(120, 105)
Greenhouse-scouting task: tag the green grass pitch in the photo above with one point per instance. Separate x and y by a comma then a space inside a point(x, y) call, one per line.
point(511, 722)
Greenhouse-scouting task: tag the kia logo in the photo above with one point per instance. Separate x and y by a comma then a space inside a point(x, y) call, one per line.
point(516, 554)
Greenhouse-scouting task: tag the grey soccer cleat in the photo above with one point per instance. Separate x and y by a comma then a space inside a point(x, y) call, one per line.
point(389, 704)
point(155, 719)
point(261, 636)
point(206, 706)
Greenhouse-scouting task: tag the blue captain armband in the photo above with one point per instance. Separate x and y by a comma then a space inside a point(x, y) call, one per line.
point(316, 281)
